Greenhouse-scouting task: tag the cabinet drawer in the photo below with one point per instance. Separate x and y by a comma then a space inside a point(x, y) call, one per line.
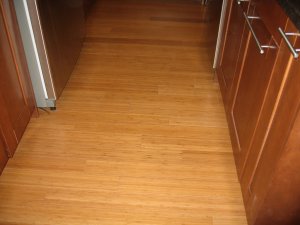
point(273, 17)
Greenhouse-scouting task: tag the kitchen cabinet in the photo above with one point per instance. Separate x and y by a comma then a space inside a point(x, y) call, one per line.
point(234, 44)
point(263, 118)
point(16, 96)
point(252, 87)
point(7, 137)
point(274, 185)
point(3, 154)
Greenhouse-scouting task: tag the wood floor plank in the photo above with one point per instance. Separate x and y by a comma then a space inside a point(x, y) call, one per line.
point(139, 136)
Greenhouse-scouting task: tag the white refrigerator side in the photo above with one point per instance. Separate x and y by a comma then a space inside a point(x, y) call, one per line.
point(220, 33)
point(42, 90)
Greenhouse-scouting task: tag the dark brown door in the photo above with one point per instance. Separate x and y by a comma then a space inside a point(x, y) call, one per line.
point(252, 89)
point(16, 109)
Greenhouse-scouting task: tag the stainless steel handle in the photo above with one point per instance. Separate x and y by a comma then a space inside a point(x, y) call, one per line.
point(259, 45)
point(239, 1)
point(288, 43)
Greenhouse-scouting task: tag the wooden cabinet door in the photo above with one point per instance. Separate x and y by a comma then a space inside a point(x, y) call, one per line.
point(251, 91)
point(15, 105)
point(6, 128)
point(233, 47)
point(3, 153)
point(274, 183)
point(87, 5)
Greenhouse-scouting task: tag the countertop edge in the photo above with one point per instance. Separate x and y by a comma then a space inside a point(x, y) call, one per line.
point(292, 11)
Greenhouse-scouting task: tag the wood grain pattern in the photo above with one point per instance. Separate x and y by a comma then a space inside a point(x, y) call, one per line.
point(140, 135)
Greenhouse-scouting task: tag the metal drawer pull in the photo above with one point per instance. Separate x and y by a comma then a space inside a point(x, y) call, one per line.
point(239, 1)
point(260, 46)
point(288, 43)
